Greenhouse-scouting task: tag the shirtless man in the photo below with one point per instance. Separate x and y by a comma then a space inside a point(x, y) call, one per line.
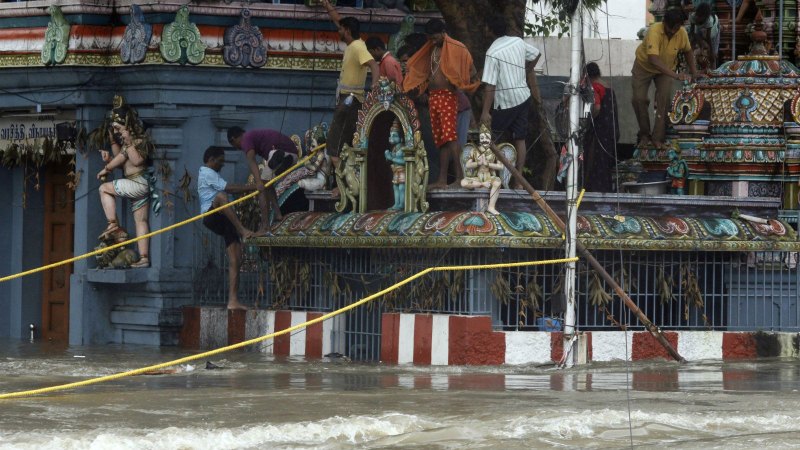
point(130, 153)
point(437, 68)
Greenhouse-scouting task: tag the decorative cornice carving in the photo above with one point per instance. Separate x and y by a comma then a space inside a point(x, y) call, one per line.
point(56, 38)
point(181, 41)
point(155, 58)
point(136, 39)
point(244, 44)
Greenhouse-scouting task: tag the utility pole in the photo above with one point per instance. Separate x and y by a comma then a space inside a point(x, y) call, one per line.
point(573, 149)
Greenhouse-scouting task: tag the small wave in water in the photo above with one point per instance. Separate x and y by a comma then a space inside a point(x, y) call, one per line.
point(576, 429)
point(334, 432)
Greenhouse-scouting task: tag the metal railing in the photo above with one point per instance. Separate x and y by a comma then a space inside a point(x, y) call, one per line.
point(676, 290)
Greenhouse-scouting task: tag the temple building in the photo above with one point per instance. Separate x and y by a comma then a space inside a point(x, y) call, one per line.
point(702, 235)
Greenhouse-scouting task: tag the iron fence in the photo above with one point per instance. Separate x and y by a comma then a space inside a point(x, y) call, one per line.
point(676, 290)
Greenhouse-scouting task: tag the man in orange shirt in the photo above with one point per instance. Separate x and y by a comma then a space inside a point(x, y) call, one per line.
point(656, 61)
point(388, 65)
point(441, 67)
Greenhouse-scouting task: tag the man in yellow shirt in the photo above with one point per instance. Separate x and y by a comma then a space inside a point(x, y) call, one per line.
point(350, 90)
point(656, 61)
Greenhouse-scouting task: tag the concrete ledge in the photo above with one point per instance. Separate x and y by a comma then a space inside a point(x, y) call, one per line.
point(143, 275)
point(470, 341)
point(118, 276)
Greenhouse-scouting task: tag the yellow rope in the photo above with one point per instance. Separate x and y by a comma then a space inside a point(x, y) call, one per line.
point(165, 229)
point(277, 333)
point(580, 197)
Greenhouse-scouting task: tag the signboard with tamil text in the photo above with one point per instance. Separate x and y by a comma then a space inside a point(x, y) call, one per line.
point(28, 128)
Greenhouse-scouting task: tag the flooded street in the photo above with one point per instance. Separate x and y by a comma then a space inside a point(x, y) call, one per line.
point(255, 401)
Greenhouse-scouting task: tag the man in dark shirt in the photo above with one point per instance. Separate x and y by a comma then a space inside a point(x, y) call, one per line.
point(278, 151)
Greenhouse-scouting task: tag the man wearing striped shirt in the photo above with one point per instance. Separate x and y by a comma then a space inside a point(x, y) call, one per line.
point(509, 60)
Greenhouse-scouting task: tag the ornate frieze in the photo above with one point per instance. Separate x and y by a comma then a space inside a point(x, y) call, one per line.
point(181, 41)
point(136, 39)
point(154, 57)
point(244, 44)
point(448, 229)
point(56, 38)
point(764, 189)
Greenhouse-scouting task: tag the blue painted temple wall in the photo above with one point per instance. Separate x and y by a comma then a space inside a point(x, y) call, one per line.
point(181, 104)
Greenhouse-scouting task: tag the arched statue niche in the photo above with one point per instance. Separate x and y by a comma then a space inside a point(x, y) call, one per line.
point(365, 177)
point(380, 192)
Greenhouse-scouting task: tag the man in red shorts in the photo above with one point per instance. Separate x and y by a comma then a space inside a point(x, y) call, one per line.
point(441, 67)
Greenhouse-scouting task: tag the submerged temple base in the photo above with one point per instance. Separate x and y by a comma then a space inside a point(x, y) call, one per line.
point(440, 339)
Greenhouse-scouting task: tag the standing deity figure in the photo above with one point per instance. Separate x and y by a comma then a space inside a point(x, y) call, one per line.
point(396, 156)
point(130, 150)
point(677, 171)
point(482, 169)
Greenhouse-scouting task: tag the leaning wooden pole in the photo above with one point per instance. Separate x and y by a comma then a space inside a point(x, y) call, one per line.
point(584, 252)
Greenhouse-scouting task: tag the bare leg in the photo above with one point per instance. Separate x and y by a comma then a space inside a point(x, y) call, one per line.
point(140, 217)
point(108, 200)
point(272, 196)
point(263, 203)
point(456, 160)
point(234, 251)
point(522, 152)
point(447, 153)
point(493, 195)
point(452, 151)
point(222, 199)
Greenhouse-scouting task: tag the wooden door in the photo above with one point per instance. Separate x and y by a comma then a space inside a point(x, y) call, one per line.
point(59, 228)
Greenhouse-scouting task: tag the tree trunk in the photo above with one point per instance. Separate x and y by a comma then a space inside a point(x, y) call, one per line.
point(467, 22)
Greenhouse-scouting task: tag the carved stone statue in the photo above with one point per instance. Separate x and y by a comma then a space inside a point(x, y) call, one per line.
point(318, 168)
point(396, 156)
point(677, 171)
point(348, 177)
point(482, 169)
point(130, 149)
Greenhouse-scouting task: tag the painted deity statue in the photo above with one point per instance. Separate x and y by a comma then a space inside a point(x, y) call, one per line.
point(677, 171)
point(130, 149)
point(482, 169)
point(396, 156)
point(319, 167)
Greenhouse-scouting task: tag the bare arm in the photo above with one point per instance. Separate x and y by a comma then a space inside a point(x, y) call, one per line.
point(488, 101)
point(239, 188)
point(375, 70)
point(251, 162)
point(131, 153)
point(331, 11)
point(530, 77)
point(661, 67)
point(690, 61)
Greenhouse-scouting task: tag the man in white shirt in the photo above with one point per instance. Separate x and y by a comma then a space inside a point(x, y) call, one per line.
point(506, 100)
point(213, 191)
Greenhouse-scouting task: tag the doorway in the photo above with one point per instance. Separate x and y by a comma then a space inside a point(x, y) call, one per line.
point(59, 231)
